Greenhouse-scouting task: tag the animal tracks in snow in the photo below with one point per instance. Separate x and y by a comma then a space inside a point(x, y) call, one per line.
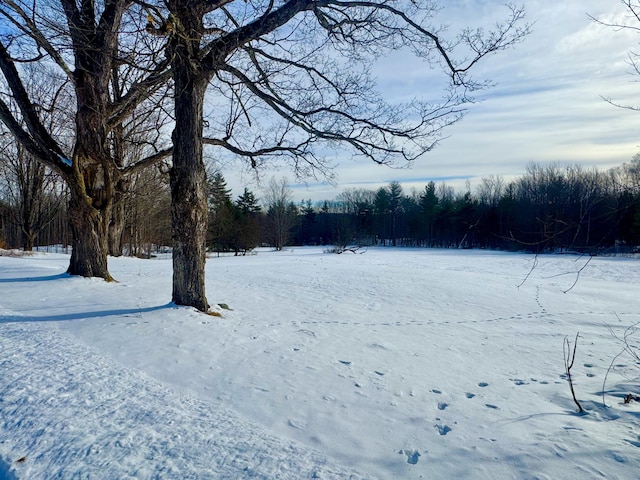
point(439, 412)
point(521, 381)
point(443, 429)
point(412, 456)
point(538, 314)
point(444, 414)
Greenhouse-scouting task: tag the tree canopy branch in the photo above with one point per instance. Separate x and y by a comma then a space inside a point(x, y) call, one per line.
point(38, 141)
point(30, 28)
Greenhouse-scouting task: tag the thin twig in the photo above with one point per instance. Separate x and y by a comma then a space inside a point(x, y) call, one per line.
point(626, 347)
point(533, 267)
point(566, 349)
point(578, 276)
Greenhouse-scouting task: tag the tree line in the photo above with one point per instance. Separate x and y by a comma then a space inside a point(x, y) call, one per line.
point(549, 208)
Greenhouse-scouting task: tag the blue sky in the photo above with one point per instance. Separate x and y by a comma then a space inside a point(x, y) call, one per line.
point(546, 106)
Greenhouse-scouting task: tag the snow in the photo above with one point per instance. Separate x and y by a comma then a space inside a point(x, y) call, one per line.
point(66, 161)
point(397, 363)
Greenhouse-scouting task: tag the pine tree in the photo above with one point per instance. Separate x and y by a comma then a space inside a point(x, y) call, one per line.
point(248, 213)
point(247, 202)
point(222, 222)
point(219, 195)
point(429, 211)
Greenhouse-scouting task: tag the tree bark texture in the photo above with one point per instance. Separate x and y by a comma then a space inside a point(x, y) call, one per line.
point(117, 223)
point(91, 185)
point(189, 210)
point(89, 240)
point(188, 203)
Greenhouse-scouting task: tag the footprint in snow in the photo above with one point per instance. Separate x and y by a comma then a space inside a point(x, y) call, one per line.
point(633, 442)
point(483, 384)
point(443, 429)
point(470, 395)
point(442, 405)
point(618, 458)
point(412, 456)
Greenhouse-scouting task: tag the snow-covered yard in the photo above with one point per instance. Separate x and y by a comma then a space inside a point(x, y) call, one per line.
point(394, 364)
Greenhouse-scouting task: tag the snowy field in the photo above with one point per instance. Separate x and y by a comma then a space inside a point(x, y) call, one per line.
point(393, 364)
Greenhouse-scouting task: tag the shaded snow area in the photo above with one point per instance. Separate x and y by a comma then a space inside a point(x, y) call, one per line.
point(393, 364)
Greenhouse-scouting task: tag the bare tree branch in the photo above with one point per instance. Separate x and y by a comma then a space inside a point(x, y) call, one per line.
point(140, 91)
point(31, 29)
point(148, 161)
point(37, 141)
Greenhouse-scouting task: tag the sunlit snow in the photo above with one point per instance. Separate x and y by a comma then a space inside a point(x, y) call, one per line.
point(392, 364)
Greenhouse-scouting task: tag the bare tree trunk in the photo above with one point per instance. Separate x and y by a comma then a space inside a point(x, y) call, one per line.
point(117, 223)
point(189, 212)
point(92, 184)
point(28, 241)
point(89, 244)
point(116, 227)
point(188, 193)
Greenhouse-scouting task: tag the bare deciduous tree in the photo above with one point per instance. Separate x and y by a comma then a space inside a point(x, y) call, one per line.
point(290, 76)
point(86, 43)
point(146, 208)
point(34, 191)
point(281, 212)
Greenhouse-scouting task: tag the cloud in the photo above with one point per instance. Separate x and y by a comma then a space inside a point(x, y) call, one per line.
point(546, 106)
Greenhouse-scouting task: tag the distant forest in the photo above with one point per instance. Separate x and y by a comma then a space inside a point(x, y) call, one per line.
point(549, 208)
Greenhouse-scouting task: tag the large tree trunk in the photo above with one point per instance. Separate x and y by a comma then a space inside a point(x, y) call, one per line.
point(89, 238)
point(187, 176)
point(92, 183)
point(188, 194)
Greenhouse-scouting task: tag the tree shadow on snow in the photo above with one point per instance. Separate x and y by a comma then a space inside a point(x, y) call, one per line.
point(45, 278)
point(123, 312)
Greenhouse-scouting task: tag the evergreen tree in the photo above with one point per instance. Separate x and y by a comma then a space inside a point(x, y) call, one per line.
point(429, 212)
point(465, 220)
point(381, 209)
point(248, 203)
point(248, 213)
point(307, 223)
point(222, 219)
